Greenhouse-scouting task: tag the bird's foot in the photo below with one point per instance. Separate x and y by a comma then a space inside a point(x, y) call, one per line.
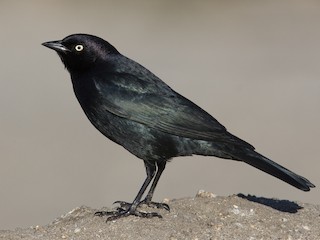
point(155, 204)
point(125, 210)
point(126, 205)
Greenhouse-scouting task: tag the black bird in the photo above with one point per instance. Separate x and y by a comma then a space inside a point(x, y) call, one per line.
point(134, 108)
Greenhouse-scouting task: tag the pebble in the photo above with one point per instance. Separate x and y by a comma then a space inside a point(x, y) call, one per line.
point(204, 194)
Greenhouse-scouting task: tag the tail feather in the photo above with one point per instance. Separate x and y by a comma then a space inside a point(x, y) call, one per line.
point(258, 161)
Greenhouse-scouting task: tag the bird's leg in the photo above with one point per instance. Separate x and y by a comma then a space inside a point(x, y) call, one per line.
point(127, 209)
point(161, 166)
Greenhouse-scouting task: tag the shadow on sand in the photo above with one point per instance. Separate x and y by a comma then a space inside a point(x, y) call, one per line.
point(280, 205)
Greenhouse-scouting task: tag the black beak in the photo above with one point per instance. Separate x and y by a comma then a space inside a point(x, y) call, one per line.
point(57, 46)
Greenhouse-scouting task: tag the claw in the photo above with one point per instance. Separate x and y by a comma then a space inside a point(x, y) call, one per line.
point(104, 213)
point(156, 205)
point(136, 213)
point(126, 209)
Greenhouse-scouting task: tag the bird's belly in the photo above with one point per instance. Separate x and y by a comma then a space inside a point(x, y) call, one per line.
point(142, 141)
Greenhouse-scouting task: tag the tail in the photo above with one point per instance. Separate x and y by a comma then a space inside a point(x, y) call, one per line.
point(258, 161)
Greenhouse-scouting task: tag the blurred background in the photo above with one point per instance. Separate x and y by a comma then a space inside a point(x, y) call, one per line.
point(254, 65)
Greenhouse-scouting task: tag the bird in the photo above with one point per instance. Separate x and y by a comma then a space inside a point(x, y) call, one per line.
point(134, 108)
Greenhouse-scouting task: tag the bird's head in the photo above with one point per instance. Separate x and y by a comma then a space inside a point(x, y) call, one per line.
point(80, 52)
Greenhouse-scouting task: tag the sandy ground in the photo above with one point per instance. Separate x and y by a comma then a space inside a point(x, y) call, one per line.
point(205, 216)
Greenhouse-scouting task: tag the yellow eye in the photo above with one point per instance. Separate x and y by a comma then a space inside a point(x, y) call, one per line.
point(78, 48)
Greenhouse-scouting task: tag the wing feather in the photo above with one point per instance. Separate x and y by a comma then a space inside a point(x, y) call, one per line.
point(161, 108)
